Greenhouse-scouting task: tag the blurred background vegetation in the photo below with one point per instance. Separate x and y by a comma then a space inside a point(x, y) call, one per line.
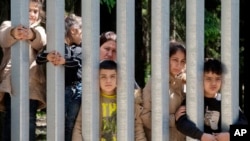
point(177, 32)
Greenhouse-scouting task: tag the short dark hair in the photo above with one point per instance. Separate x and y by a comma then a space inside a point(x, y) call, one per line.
point(107, 36)
point(108, 64)
point(214, 66)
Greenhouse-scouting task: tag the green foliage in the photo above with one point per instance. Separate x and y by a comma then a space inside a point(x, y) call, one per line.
point(212, 35)
point(178, 20)
point(70, 5)
point(110, 4)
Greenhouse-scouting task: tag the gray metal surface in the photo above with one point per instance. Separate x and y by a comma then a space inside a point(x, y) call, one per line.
point(90, 67)
point(160, 72)
point(55, 74)
point(230, 57)
point(125, 58)
point(195, 61)
point(20, 76)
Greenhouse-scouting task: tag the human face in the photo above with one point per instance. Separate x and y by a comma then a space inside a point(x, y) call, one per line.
point(108, 51)
point(212, 84)
point(107, 80)
point(77, 36)
point(33, 12)
point(177, 63)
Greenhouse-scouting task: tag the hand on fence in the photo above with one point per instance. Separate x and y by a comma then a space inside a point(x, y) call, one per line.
point(22, 33)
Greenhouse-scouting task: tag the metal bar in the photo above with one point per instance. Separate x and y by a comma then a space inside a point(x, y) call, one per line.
point(195, 61)
point(125, 58)
point(230, 57)
point(20, 75)
point(160, 73)
point(90, 74)
point(55, 75)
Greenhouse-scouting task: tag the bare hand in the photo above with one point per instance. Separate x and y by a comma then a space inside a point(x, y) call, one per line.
point(22, 33)
point(223, 136)
point(180, 111)
point(59, 60)
point(208, 137)
point(51, 56)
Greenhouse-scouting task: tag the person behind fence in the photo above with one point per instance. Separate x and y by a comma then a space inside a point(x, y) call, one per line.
point(35, 36)
point(177, 62)
point(72, 61)
point(212, 81)
point(108, 111)
point(108, 52)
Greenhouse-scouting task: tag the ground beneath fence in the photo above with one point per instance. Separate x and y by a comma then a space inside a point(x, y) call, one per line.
point(41, 129)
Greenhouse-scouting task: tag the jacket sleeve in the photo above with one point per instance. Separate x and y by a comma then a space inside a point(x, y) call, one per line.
point(77, 130)
point(146, 113)
point(74, 60)
point(139, 130)
point(188, 128)
point(41, 57)
point(6, 40)
point(40, 38)
point(242, 120)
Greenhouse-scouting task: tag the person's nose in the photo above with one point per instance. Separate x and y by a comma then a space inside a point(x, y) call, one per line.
point(110, 53)
point(179, 64)
point(108, 79)
point(213, 82)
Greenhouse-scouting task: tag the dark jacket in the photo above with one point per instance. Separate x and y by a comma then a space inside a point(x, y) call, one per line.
point(73, 64)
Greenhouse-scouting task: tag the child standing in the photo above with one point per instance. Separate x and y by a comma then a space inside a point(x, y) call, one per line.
point(73, 69)
point(36, 37)
point(108, 52)
point(177, 62)
point(212, 81)
point(108, 83)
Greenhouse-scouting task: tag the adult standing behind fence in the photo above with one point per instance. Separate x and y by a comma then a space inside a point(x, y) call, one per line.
point(108, 52)
point(177, 62)
point(36, 37)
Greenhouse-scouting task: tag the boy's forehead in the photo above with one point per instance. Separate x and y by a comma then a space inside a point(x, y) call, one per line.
point(210, 73)
point(108, 71)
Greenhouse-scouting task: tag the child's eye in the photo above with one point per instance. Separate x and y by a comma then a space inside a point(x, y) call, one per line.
point(183, 61)
point(103, 77)
point(218, 79)
point(208, 79)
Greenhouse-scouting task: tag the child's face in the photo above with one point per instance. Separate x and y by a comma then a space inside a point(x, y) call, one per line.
point(77, 36)
point(212, 84)
point(33, 12)
point(108, 51)
point(177, 63)
point(107, 80)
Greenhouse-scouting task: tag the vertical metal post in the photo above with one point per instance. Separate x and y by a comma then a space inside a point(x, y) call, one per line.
point(160, 72)
point(230, 57)
point(90, 73)
point(195, 61)
point(125, 58)
point(20, 75)
point(55, 74)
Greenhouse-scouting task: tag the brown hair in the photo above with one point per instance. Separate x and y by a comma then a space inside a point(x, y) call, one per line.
point(42, 15)
point(107, 36)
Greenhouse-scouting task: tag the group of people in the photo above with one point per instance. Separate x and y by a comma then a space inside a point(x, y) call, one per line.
point(180, 125)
